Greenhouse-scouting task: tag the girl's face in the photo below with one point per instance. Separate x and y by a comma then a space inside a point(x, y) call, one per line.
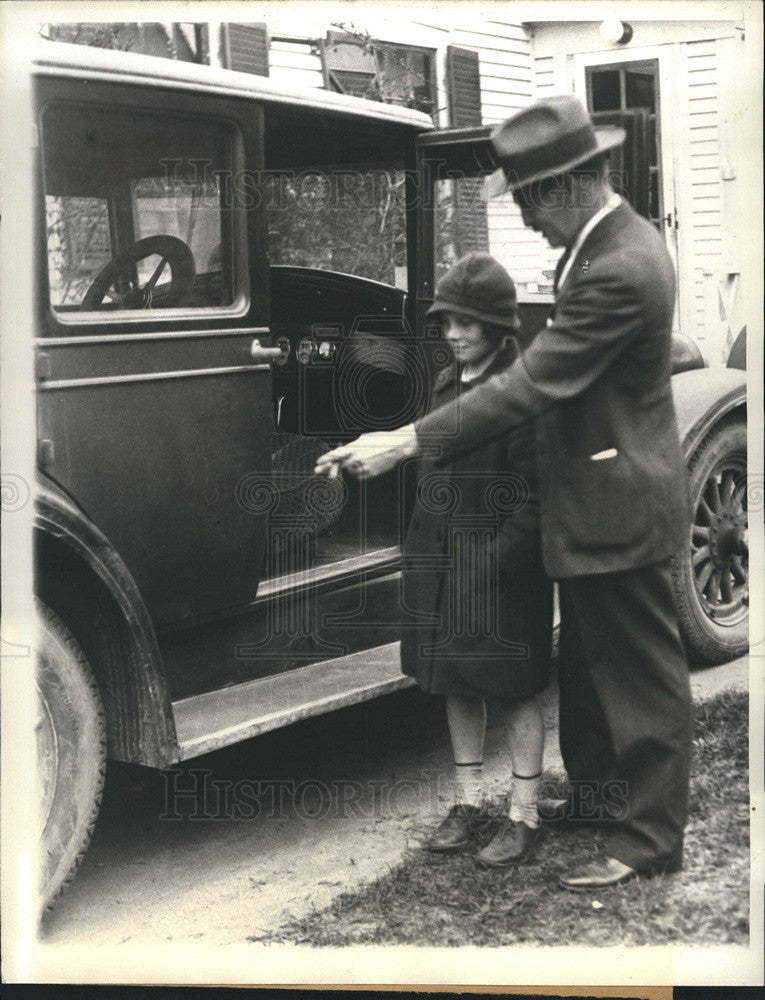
point(465, 335)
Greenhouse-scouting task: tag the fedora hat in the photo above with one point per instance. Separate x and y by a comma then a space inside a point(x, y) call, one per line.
point(548, 138)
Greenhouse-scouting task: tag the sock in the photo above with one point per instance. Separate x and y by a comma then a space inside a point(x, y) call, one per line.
point(468, 783)
point(523, 806)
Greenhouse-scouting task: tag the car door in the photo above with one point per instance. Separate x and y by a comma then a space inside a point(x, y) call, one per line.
point(454, 218)
point(448, 161)
point(153, 413)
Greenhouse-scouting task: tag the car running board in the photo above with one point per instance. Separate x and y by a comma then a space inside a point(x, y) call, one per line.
point(217, 719)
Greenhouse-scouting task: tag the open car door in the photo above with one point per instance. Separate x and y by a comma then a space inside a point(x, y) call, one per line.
point(455, 218)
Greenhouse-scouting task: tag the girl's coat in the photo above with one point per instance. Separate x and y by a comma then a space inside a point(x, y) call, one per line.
point(473, 579)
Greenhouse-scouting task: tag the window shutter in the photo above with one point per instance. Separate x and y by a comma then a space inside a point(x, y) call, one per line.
point(471, 226)
point(471, 231)
point(464, 82)
point(245, 48)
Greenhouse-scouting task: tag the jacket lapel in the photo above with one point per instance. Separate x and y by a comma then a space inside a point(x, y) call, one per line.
point(592, 246)
point(558, 268)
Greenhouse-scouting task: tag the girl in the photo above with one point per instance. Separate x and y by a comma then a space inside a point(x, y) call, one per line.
point(473, 575)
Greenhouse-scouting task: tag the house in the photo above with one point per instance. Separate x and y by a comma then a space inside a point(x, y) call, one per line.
point(690, 83)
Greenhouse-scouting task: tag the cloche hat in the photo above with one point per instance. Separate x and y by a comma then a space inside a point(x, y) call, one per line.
point(548, 138)
point(478, 286)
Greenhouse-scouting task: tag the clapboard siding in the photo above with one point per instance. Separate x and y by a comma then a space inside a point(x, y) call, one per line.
point(495, 53)
point(703, 74)
point(528, 257)
point(703, 147)
point(706, 49)
point(507, 29)
point(495, 94)
point(704, 104)
point(697, 119)
point(700, 125)
point(493, 114)
point(514, 65)
point(504, 73)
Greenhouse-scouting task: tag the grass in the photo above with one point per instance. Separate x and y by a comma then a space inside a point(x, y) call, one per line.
point(445, 900)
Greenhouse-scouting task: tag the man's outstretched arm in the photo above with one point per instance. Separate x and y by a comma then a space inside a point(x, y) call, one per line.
point(599, 320)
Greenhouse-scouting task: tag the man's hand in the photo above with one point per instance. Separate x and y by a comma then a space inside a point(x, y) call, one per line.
point(371, 454)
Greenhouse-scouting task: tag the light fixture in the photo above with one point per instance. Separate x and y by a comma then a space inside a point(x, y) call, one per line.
point(616, 32)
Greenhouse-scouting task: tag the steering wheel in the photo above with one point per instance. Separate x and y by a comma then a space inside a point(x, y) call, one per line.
point(170, 249)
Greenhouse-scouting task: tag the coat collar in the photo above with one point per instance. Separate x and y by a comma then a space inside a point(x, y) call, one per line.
point(502, 359)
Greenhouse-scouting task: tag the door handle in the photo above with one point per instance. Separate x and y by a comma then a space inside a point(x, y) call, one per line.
point(264, 355)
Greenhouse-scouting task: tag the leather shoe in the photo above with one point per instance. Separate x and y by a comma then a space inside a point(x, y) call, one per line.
point(597, 875)
point(456, 828)
point(514, 842)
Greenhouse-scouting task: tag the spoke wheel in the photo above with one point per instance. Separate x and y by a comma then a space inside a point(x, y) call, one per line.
point(711, 578)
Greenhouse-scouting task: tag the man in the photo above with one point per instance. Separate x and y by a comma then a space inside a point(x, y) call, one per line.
point(614, 507)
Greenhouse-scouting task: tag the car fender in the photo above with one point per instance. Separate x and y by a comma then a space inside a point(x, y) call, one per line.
point(141, 727)
point(702, 398)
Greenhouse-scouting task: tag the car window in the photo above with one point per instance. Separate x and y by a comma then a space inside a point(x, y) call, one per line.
point(352, 221)
point(184, 208)
point(136, 211)
point(79, 245)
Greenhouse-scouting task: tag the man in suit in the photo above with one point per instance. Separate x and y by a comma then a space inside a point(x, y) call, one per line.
point(614, 505)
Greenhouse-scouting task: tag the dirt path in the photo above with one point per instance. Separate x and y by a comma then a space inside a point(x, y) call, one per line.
point(284, 824)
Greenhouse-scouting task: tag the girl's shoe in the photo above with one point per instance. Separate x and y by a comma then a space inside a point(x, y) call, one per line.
point(514, 842)
point(456, 828)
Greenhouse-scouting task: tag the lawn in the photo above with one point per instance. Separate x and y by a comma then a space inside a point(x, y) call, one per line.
point(445, 900)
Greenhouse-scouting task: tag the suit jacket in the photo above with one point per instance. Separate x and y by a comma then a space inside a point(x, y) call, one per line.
point(597, 380)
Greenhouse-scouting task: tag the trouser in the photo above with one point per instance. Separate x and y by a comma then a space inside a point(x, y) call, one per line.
point(625, 708)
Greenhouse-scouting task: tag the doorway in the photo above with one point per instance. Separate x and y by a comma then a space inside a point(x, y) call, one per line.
point(640, 88)
point(634, 87)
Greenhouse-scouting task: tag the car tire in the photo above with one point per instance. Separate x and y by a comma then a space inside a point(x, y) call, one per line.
point(711, 577)
point(71, 753)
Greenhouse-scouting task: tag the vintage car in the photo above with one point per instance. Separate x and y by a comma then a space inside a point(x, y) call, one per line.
point(231, 278)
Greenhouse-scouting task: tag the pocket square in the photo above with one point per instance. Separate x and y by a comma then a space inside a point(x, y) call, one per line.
point(600, 455)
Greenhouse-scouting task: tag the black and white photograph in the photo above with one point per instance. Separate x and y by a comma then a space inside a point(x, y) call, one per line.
point(382, 493)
